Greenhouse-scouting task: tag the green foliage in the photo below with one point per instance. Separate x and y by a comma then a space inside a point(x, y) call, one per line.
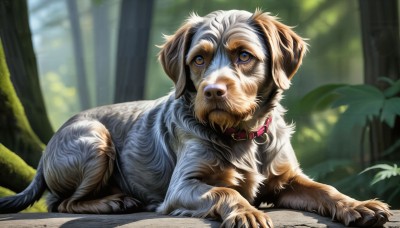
point(388, 174)
point(358, 106)
point(363, 102)
point(60, 97)
point(321, 98)
point(392, 148)
point(387, 171)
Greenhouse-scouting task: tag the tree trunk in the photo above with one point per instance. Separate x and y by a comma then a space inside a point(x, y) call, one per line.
point(381, 41)
point(16, 37)
point(381, 46)
point(15, 131)
point(79, 54)
point(133, 39)
point(102, 52)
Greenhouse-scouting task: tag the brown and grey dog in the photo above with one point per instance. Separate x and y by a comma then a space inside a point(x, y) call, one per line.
point(217, 147)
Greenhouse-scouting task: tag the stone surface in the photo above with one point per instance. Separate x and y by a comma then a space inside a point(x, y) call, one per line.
point(281, 218)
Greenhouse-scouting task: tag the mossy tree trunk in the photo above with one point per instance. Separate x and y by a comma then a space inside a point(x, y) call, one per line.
point(15, 131)
point(20, 57)
point(15, 174)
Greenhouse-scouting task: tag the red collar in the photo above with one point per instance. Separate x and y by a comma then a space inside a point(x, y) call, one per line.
point(240, 135)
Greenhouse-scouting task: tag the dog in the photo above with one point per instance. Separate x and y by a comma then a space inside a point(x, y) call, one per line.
point(216, 147)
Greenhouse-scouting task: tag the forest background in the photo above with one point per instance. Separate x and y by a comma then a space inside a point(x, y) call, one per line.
point(58, 57)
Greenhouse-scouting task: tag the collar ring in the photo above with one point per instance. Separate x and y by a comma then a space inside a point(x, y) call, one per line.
point(262, 139)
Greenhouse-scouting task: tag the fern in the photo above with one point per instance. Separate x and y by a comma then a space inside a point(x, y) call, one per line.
point(387, 171)
point(359, 107)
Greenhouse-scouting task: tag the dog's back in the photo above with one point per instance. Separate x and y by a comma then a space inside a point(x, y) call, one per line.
point(81, 157)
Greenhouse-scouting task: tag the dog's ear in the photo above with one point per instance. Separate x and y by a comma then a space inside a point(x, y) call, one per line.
point(173, 53)
point(285, 46)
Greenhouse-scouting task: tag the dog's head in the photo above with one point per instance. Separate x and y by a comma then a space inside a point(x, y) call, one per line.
point(231, 61)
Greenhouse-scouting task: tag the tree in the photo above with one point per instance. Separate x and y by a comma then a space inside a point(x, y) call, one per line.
point(16, 37)
point(15, 130)
point(79, 54)
point(381, 45)
point(133, 37)
point(101, 48)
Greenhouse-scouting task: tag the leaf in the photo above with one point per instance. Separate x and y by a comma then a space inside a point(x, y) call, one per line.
point(388, 171)
point(359, 113)
point(379, 166)
point(320, 98)
point(392, 148)
point(393, 90)
point(394, 194)
point(387, 80)
point(363, 102)
point(357, 94)
point(390, 109)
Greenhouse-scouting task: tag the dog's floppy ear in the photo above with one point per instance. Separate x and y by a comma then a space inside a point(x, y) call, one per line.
point(286, 48)
point(173, 53)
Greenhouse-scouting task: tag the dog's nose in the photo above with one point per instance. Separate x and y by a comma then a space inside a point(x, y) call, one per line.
point(215, 91)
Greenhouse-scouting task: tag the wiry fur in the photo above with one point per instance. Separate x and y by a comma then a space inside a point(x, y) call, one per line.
point(171, 155)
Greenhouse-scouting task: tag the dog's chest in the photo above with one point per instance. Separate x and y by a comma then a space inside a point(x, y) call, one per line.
point(240, 174)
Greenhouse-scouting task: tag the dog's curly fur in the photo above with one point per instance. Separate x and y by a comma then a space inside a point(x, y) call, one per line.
point(172, 156)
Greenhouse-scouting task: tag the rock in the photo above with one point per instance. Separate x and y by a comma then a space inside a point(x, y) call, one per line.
point(281, 218)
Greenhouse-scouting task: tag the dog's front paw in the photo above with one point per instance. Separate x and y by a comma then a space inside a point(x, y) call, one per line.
point(370, 213)
point(247, 217)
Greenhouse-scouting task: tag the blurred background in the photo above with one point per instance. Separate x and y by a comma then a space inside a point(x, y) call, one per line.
point(344, 99)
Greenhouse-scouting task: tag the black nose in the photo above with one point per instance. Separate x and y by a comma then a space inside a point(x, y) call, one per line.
point(215, 91)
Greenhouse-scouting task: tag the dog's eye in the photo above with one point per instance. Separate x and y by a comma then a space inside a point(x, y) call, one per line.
point(198, 60)
point(244, 57)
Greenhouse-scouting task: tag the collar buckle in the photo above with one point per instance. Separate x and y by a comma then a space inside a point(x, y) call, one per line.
point(259, 137)
point(237, 137)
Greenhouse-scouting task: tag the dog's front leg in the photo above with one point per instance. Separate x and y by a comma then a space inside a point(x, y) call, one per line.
point(303, 193)
point(189, 195)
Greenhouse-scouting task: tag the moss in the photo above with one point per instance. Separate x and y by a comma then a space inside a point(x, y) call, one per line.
point(8, 91)
point(15, 174)
point(16, 132)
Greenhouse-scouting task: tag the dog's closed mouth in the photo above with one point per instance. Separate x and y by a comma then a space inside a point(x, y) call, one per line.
point(219, 112)
point(223, 118)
